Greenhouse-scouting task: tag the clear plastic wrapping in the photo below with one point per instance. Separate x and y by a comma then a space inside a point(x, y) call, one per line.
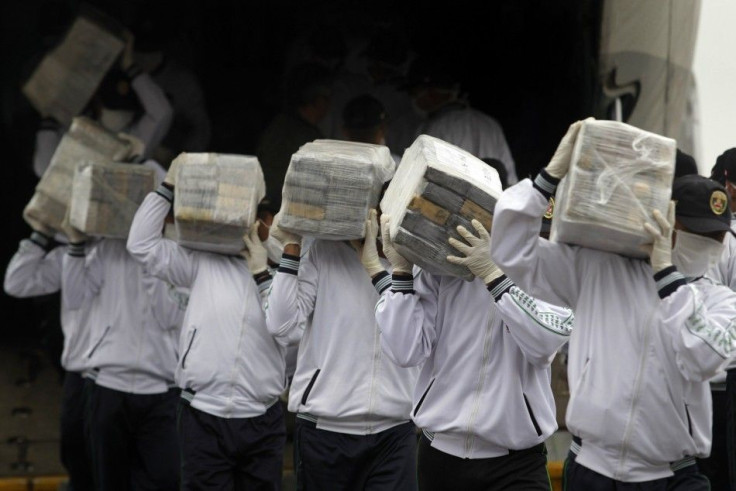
point(86, 141)
point(105, 197)
point(331, 185)
point(618, 175)
point(216, 200)
point(437, 187)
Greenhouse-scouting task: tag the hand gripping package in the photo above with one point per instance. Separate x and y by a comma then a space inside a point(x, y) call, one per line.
point(618, 175)
point(216, 200)
point(86, 141)
point(105, 197)
point(437, 187)
point(330, 187)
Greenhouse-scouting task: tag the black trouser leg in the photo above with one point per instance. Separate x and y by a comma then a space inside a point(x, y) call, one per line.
point(715, 467)
point(73, 451)
point(109, 439)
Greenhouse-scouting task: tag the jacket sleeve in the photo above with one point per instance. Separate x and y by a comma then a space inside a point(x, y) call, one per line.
point(543, 269)
point(539, 329)
point(152, 127)
point(700, 320)
point(292, 297)
point(406, 316)
point(34, 270)
point(163, 258)
point(82, 274)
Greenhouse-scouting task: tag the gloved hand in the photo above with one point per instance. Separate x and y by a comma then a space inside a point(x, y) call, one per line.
point(38, 226)
point(75, 236)
point(282, 235)
point(477, 255)
point(660, 251)
point(399, 264)
point(367, 251)
point(255, 253)
point(560, 162)
point(173, 171)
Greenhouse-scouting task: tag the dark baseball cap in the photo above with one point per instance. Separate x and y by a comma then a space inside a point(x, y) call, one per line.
point(725, 167)
point(702, 204)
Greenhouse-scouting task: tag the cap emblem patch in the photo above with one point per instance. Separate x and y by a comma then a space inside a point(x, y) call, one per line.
point(718, 202)
point(550, 209)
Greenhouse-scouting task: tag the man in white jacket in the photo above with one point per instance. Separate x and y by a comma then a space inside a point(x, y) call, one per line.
point(34, 270)
point(231, 370)
point(646, 340)
point(483, 398)
point(134, 324)
point(353, 429)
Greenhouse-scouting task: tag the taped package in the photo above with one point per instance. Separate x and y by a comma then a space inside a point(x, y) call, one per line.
point(68, 76)
point(86, 141)
point(437, 187)
point(105, 197)
point(618, 175)
point(216, 200)
point(331, 185)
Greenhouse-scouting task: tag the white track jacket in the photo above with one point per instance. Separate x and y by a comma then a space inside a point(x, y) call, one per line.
point(484, 388)
point(230, 365)
point(343, 382)
point(642, 348)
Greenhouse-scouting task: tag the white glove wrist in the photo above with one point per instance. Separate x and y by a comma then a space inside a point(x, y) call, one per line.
point(399, 264)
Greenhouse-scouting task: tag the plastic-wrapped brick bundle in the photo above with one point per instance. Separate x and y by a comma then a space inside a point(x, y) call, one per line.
point(86, 141)
point(437, 187)
point(618, 175)
point(105, 197)
point(331, 185)
point(216, 200)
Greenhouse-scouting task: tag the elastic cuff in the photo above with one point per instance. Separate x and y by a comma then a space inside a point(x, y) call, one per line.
point(668, 280)
point(41, 240)
point(76, 249)
point(166, 192)
point(289, 264)
point(546, 184)
point(499, 286)
point(402, 283)
point(133, 71)
point(381, 282)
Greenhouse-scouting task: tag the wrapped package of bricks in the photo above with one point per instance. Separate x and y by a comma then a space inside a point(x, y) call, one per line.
point(437, 187)
point(216, 200)
point(67, 77)
point(618, 175)
point(86, 141)
point(330, 187)
point(105, 197)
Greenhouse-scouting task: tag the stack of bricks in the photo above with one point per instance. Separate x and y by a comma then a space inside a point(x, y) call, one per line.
point(438, 187)
point(330, 187)
point(216, 200)
point(105, 197)
point(86, 141)
point(618, 175)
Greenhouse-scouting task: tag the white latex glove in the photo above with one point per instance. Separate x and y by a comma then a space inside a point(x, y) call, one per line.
point(171, 174)
point(282, 235)
point(254, 252)
point(560, 162)
point(399, 264)
point(367, 251)
point(660, 251)
point(477, 255)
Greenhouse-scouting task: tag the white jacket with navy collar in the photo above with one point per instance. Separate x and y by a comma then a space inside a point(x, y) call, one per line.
point(230, 366)
point(643, 347)
point(485, 354)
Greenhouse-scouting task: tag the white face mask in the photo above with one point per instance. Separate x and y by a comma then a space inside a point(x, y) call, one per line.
point(116, 120)
point(694, 255)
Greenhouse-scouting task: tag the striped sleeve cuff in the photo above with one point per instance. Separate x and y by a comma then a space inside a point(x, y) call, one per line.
point(263, 280)
point(499, 286)
point(546, 184)
point(166, 192)
point(41, 240)
point(402, 283)
point(76, 249)
point(381, 282)
point(289, 264)
point(668, 280)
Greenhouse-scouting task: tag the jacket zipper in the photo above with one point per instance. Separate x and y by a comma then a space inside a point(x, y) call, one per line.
point(97, 344)
point(374, 376)
point(421, 399)
point(189, 347)
point(310, 385)
point(531, 415)
point(470, 438)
